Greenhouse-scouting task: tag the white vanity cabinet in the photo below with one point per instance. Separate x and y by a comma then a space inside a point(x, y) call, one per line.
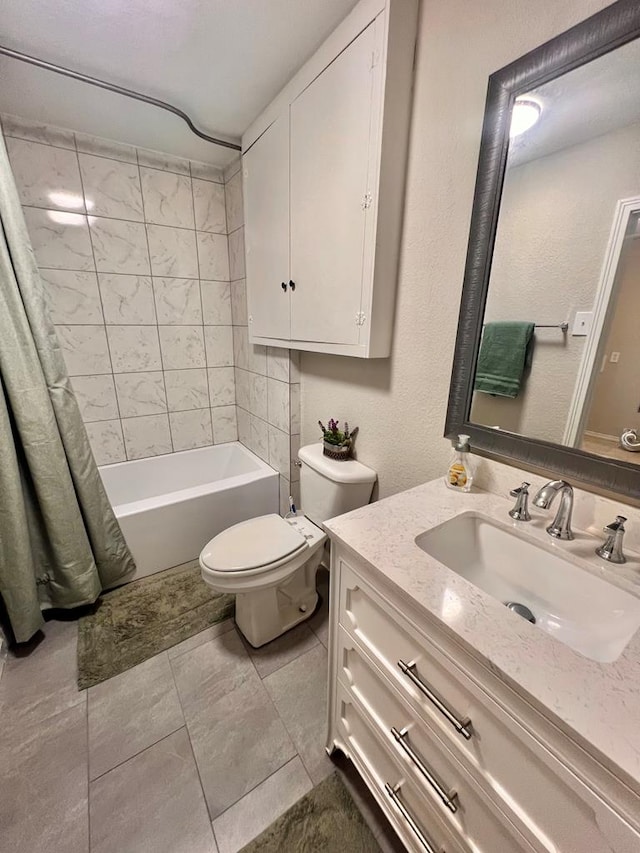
point(457, 760)
point(323, 172)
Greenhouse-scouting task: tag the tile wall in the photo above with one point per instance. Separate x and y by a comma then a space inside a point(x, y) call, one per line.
point(266, 378)
point(132, 248)
point(142, 257)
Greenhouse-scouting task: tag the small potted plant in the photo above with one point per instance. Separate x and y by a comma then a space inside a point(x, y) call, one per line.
point(337, 443)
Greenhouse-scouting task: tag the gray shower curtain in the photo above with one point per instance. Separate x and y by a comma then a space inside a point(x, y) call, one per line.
point(60, 543)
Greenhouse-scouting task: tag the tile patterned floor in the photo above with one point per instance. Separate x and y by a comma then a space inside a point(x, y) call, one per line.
point(196, 750)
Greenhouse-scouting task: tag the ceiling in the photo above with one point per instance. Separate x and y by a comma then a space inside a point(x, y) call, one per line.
point(589, 101)
point(221, 61)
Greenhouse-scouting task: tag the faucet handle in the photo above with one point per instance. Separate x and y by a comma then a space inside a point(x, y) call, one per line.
point(615, 526)
point(611, 550)
point(520, 511)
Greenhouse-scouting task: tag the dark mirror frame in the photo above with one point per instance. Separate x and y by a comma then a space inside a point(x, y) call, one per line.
point(613, 27)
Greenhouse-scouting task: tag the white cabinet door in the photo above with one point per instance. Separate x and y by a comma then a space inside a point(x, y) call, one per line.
point(266, 188)
point(329, 163)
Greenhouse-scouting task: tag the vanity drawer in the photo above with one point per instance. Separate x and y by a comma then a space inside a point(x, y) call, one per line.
point(551, 806)
point(417, 823)
point(423, 758)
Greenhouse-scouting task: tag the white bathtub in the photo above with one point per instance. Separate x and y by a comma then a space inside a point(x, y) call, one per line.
point(170, 506)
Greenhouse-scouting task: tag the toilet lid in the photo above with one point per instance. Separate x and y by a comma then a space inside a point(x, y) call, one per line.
point(252, 544)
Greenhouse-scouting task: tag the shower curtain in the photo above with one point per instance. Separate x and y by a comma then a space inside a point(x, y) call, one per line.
point(60, 543)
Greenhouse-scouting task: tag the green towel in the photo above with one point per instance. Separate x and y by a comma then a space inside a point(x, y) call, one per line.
point(504, 354)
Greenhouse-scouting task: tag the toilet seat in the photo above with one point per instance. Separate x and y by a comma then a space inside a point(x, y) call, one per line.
point(253, 546)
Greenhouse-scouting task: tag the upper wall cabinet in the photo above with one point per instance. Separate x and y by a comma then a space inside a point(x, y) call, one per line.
point(323, 172)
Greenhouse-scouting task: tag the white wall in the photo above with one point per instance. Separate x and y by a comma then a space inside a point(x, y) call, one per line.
point(400, 403)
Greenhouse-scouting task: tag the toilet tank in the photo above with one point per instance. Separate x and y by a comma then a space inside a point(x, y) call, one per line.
point(328, 487)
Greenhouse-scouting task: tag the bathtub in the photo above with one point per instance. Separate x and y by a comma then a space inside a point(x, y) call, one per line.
point(170, 506)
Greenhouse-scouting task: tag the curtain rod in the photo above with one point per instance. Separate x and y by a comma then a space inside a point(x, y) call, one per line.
point(119, 90)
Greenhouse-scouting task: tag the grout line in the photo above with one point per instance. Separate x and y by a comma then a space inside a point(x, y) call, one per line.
point(140, 751)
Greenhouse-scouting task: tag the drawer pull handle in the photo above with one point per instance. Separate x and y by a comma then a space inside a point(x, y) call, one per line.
point(449, 799)
point(461, 726)
point(406, 814)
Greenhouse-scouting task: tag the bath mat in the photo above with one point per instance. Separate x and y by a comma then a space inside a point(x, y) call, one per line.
point(134, 622)
point(326, 820)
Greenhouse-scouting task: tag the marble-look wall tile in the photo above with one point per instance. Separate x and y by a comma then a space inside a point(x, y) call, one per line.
point(127, 299)
point(258, 400)
point(182, 346)
point(294, 408)
point(111, 188)
point(134, 348)
point(96, 397)
point(46, 176)
point(167, 198)
point(241, 347)
point(105, 438)
point(88, 144)
point(178, 301)
point(259, 436)
point(60, 239)
point(37, 131)
point(278, 363)
point(278, 404)
point(158, 160)
point(243, 419)
point(191, 429)
point(279, 450)
point(258, 359)
point(72, 296)
point(213, 256)
point(294, 447)
point(209, 206)
point(235, 211)
point(207, 172)
point(140, 394)
point(239, 302)
point(84, 349)
point(146, 436)
point(216, 303)
point(219, 345)
point(186, 389)
point(225, 426)
point(236, 254)
point(231, 169)
point(243, 388)
point(173, 251)
point(222, 388)
point(119, 246)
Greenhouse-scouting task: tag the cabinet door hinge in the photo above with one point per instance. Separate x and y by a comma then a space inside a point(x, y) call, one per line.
point(367, 201)
point(360, 318)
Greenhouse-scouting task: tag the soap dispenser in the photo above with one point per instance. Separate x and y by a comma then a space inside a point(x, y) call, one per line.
point(460, 471)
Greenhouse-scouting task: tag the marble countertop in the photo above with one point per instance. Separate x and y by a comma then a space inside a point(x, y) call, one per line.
point(597, 703)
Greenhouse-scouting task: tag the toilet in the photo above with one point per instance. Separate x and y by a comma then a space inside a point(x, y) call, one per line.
point(270, 562)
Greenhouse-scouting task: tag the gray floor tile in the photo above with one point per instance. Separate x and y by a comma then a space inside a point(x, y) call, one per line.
point(282, 650)
point(299, 691)
point(202, 637)
point(319, 622)
point(152, 804)
point(43, 784)
point(258, 809)
point(238, 738)
point(130, 712)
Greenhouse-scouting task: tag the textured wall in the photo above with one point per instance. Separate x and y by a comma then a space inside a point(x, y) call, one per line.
point(554, 227)
point(400, 402)
point(132, 249)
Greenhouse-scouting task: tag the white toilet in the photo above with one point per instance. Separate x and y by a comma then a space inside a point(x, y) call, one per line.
point(270, 563)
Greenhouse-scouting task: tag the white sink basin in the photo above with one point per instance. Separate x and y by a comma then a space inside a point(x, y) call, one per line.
point(578, 608)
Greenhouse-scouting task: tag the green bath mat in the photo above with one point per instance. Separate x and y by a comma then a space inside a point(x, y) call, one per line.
point(326, 820)
point(139, 620)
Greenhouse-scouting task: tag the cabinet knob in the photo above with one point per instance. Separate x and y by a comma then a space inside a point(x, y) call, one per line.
point(283, 285)
point(292, 285)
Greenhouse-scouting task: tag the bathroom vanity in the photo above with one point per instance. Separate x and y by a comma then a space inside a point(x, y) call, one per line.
point(474, 729)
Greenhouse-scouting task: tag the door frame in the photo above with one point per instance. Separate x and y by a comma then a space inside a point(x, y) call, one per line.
point(601, 312)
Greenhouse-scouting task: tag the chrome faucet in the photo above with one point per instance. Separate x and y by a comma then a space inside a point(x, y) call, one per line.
point(612, 548)
point(560, 527)
point(520, 510)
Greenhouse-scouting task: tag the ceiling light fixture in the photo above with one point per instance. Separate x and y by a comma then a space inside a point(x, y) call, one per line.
point(524, 115)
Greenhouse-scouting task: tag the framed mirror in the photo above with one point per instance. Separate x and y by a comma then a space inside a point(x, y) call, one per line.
point(546, 369)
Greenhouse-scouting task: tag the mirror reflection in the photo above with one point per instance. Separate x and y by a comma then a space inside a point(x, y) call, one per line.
point(559, 358)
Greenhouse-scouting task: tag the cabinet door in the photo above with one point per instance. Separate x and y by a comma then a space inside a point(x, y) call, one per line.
point(266, 188)
point(329, 164)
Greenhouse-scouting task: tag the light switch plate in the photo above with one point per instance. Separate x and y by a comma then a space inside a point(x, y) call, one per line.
point(582, 323)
